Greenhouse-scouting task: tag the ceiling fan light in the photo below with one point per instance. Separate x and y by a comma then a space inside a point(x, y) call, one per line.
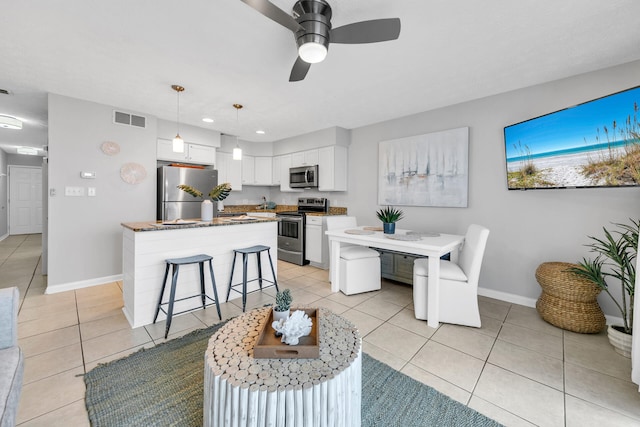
point(178, 144)
point(312, 52)
point(8, 122)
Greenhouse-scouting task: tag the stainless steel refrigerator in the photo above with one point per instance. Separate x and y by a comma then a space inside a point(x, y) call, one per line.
point(174, 203)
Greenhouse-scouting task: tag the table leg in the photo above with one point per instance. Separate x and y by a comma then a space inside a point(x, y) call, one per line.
point(433, 292)
point(334, 267)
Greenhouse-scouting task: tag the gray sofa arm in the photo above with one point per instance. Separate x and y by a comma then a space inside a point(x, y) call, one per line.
point(9, 298)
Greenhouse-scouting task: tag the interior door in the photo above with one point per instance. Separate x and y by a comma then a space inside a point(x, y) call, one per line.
point(25, 199)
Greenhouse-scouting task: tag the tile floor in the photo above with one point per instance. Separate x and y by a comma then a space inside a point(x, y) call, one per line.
point(516, 369)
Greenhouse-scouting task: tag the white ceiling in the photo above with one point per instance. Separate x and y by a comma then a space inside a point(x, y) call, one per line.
point(127, 54)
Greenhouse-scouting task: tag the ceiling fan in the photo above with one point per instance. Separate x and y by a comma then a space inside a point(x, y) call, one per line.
point(310, 23)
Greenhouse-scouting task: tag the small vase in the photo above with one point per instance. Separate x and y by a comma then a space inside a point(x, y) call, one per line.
point(206, 210)
point(389, 227)
point(280, 315)
point(620, 341)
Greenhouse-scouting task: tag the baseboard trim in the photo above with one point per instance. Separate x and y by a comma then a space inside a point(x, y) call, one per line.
point(54, 289)
point(505, 296)
point(4, 237)
point(530, 302)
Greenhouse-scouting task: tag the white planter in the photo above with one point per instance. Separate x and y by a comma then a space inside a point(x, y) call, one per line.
point(206, 210)
point(277, 315)
point(620, 341)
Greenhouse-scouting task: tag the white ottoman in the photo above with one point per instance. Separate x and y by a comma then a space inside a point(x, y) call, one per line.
point(359, 270)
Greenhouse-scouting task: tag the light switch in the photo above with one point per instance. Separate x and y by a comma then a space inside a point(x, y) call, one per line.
point(91, 191)
point(74, 191)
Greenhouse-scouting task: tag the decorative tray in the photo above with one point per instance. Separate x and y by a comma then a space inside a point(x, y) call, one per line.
point(423, 233)
point(372, 228)
point(271, 347)
point(358, 231)
point(404, 237)
point(179, 222)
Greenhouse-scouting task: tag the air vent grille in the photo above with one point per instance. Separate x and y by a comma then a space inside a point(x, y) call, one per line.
point(129, 119)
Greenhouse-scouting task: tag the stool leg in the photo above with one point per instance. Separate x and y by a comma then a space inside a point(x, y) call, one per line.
point(244, 281)
point(215, 292)
point(202, 291)
point(164, 283)
point(233, 266)
point(172, 297)
point(259, 270)
point(273, 272)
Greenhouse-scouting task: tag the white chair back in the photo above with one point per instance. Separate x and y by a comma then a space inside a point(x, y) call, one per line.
point(341, 222)
point(472, 252)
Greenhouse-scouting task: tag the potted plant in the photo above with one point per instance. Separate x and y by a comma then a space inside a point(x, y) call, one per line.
point(283, 305)
point(389, 216)
point(616, 258)
point(218, 193)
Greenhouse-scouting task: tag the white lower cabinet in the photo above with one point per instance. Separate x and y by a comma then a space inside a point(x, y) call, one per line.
point(316, 242)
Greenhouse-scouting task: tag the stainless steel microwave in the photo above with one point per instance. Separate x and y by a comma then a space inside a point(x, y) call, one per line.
point(303, 177)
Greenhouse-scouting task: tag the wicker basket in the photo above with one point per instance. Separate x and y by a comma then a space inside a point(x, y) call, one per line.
point(568, 301)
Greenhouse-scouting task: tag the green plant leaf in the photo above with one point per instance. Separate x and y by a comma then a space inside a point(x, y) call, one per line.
point(220, 192)
point(190, 190)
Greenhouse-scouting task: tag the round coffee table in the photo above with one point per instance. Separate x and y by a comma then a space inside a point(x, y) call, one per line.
point(241, 390)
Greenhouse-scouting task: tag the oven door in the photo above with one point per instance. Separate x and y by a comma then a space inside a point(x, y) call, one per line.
point(291, 238)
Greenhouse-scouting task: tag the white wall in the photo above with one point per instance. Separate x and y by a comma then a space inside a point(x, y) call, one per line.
point(85, 236)
point(4, 192)
point(527, 227)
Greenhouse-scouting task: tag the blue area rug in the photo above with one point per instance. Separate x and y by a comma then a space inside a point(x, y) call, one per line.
point(163, 386)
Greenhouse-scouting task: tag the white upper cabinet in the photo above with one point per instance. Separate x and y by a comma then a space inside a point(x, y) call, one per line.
point(257, 170)
point(332, 168)
point(193, 153)
point(285, 165)
point(276, 168)
point(304, 158)
point(264, 171)
point(248, 170)
point(230, 171)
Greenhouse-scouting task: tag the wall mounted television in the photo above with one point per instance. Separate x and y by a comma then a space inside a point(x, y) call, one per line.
point(594, 144)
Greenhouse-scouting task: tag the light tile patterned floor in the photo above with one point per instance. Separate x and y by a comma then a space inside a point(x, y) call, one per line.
point(516, 369)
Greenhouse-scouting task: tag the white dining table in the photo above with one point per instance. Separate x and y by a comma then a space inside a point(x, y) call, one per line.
point(432, 247)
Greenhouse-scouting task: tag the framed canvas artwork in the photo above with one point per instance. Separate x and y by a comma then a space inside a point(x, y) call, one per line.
point(425, 170)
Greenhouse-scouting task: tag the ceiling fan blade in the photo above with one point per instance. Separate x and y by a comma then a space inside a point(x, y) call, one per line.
point(299, 70)
point(274, 13)
point(377, 30)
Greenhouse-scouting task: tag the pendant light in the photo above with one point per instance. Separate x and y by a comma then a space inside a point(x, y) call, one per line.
point(237, 152)
point(178, 142)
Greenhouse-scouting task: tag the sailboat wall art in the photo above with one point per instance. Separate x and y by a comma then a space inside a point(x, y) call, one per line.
point(425, 170)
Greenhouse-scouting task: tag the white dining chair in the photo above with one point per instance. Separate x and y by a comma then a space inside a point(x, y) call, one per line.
point(458, 287)
point(359, 265)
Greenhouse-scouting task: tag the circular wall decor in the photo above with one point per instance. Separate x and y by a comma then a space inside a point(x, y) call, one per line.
point(110, 148)
point(133, 173)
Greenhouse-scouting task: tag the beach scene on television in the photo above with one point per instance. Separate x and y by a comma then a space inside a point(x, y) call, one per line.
point(595, 144)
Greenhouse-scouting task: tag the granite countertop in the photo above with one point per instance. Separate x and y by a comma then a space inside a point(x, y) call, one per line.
point(282, 208)
point(216, 222)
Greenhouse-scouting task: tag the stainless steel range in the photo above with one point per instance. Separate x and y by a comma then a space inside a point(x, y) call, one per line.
point(291, 239)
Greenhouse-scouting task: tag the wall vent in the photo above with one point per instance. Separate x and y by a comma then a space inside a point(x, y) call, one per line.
point(129, 119)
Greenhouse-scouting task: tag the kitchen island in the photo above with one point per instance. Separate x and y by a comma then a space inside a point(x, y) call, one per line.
point(146, 246)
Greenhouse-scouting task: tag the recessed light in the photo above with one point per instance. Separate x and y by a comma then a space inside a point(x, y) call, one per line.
point(207, 120)
point(9, 122)
point(260, 132)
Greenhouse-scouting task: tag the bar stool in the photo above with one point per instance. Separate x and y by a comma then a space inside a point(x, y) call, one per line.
point(176, 263)
point(258, 249)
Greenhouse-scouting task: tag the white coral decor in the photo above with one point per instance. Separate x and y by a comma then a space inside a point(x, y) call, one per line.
point(296, 326)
